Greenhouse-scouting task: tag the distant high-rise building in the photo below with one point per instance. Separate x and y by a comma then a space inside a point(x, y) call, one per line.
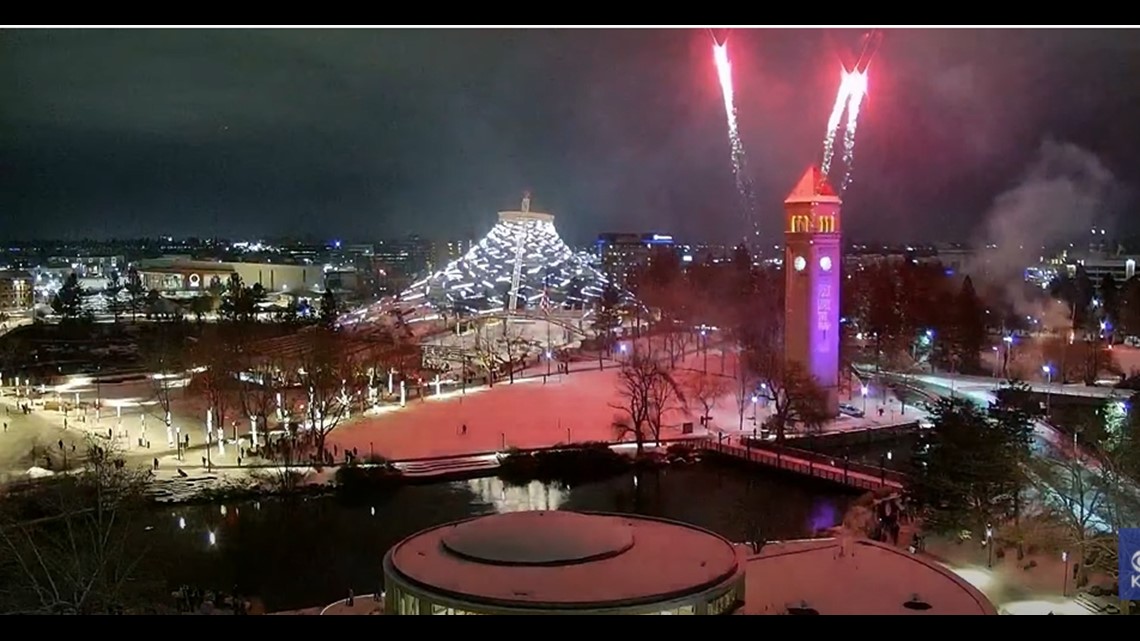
point(622, 254)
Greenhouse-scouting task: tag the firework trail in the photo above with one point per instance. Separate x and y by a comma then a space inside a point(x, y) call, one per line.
point(857, 92)
point(849, 99)
point(739, 159)
point(834, 120)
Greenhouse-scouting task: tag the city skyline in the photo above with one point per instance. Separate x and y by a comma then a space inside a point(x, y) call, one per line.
point(270, 133)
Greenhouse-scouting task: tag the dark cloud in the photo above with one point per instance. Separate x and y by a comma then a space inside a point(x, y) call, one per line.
point(374, 133)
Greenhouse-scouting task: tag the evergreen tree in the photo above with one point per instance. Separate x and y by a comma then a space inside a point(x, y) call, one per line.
point(967, 468)
point(1128, 307)
point(329, 309)
point(1109, 299)
point(607, 316)
point(68, 301)
point(969, 332)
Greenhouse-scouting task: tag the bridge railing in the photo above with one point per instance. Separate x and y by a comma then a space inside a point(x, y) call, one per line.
point(813, 464)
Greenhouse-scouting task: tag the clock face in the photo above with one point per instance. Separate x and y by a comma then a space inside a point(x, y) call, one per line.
point(799, 263)
point(825, 263)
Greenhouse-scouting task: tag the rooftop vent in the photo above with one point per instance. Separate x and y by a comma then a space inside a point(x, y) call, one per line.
point(802, 608)
point(916, 603)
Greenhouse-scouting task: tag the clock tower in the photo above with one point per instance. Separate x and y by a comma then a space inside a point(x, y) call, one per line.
point(812, 259)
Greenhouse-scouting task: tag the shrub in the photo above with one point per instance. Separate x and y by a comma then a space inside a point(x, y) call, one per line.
point(355, 480)
point(571, 465)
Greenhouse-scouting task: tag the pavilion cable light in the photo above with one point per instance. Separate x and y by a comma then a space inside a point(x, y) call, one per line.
point(521, 260)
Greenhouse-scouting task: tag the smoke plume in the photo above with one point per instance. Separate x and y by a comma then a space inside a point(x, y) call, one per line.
point(1061, 195)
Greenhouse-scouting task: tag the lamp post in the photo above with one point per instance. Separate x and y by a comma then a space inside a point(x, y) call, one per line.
point(1008, 340)
point(1048, 370)
point(1065, 579)
point(863, 389)
point(705, 348)
point(995, 361)
point(990, 545)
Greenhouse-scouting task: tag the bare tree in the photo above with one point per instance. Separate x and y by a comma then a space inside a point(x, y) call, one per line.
point(165, 356)
point(792, 394)
point(261, 391)
point(665, 396)
point(1075, 498)
point(218, 363)
point(485, 354)
point(70, 544)
point(743, 388)
point(707, 389)
point(325, 368)
point(647, 391)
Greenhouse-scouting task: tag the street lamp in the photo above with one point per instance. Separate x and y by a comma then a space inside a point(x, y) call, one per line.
point(995, 361)
point(990, 544)
point(705, 348)
point(864, 391)
point(1065, 584)
point(1048, 370)
point(1008, 340)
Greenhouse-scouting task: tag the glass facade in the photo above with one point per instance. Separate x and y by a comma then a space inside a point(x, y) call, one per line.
point(443, 609)
point(684, 609)
point(724, 604)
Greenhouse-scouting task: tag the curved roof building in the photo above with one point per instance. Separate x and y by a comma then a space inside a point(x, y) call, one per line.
point(556, 562)
point(564, 563)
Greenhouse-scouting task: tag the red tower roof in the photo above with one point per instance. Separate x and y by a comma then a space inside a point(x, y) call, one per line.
point(812, 188)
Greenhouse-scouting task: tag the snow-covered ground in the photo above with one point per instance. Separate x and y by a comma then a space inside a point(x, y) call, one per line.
point(539, 412)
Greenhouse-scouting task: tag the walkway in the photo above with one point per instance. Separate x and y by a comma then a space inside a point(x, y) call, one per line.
point(863, 477)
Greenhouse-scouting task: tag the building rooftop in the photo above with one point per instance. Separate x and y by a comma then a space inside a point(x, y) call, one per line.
point(830, 576)
point(566, 559)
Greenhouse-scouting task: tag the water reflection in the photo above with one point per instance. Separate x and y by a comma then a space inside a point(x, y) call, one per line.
point(298, 553)
point(510, 498)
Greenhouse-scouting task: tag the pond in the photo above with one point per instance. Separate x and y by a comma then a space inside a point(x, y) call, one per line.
point(302, 553)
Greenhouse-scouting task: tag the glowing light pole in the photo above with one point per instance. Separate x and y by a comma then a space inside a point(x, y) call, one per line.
point(403, 394)
point(253, 430)
point(170, 431)
point(1008, 340)
point(705, 348)
point(863, 389)
point(391, 372)
point(437, 382)
point(280, 408)
point(990, 545)
point(1048, 369)
point(1065, 579)
point(209, 433)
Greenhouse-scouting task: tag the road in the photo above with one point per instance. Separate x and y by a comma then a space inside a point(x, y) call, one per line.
point(1049, 442)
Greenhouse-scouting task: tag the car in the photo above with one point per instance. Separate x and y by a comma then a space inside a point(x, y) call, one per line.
point(851, 410)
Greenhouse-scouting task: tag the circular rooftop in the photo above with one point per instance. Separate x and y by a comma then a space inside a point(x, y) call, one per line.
point(523, 216)
point(545, 560)
point(538, 538)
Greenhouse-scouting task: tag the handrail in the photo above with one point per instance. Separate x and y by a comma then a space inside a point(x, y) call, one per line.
point(855, 475)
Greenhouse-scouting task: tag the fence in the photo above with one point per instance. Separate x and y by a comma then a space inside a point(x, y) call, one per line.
point(821, 466)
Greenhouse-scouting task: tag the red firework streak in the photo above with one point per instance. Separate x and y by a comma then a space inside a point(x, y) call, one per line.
point(859, 59)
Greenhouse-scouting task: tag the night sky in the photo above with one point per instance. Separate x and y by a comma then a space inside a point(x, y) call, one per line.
point(363, 134)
